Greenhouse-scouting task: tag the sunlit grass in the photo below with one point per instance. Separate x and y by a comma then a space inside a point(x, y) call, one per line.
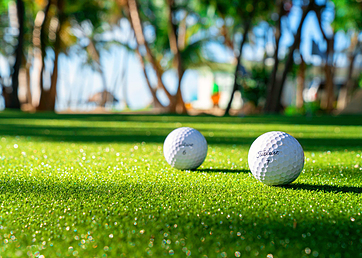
point(97, 186)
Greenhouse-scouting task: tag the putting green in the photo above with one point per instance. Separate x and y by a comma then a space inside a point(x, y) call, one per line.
point(98, 186)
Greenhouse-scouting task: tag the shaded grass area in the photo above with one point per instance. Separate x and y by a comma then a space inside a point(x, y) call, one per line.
point(313, 132)
point(265, 119)
point(98, 186)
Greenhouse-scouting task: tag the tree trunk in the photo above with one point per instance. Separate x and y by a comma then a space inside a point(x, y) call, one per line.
point(29, 99)
point(156, 102)
point(224, 32)
point(137, 27)
point(349, 81)
point(125, 81)
point(273, 76)
point(236, 86)
point(181, 40)
point(125, 78)
point(178, 106)
point(14, 99)
point(54, 82)
point(11, 93)
point(300, 85)
point(346, 91)
point(105, 92)
point(39, 38)
point(277, 92)
point(48, 97)
point(328, 97)
point(43, 45)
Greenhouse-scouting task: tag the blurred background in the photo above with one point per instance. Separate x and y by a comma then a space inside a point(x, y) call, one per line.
point(236, 57)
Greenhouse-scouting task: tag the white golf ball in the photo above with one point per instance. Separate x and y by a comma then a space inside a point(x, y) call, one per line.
point(185, 148)
point(276, 158)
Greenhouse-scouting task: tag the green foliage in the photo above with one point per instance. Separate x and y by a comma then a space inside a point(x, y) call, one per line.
point(254, 86)
point(88, 10)
point(94, 186)
point(154, 16)
point(348, 15)
point(293, 111)
point(4, 5)
point(235, 13)
point(360, 81)
point(3, 25)
point(190, 14)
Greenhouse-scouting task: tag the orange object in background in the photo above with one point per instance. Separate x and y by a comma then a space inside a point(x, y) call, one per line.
point(215, 96)
point(215, 99)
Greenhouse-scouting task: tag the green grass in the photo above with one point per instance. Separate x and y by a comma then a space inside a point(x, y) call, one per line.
point(98, 186)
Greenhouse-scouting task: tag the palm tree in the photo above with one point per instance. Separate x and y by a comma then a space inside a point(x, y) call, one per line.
point(10, 94)
point(48, 97)
point(55, 31)
point(176, 44)
point(244, 14)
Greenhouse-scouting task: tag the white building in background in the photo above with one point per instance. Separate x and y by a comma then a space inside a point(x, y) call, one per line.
point(205, 84)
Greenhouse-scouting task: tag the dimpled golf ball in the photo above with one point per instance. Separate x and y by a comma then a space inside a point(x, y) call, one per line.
point(276, 158)
point(185, 148)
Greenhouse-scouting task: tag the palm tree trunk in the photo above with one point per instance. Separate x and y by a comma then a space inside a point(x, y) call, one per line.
point(273, 76)
point(236, 86)
point(125, 79)
point(277, 94)
point(328, 98)
point(137, 27)
point(54, 81)
point(48, 97)
point(14, 99)
point(300, 85)
point(178, 105)
point(43, 44)
point(349, 82)
point(156, 102)
point(39, 38)
point(29, 99)
point(346, 91)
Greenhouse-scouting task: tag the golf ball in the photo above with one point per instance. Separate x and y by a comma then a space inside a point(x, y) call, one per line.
point(185, 148)
point(276, 158)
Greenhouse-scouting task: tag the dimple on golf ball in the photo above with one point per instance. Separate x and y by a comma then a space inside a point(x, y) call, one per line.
point(276, 158)
point(185, 148)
